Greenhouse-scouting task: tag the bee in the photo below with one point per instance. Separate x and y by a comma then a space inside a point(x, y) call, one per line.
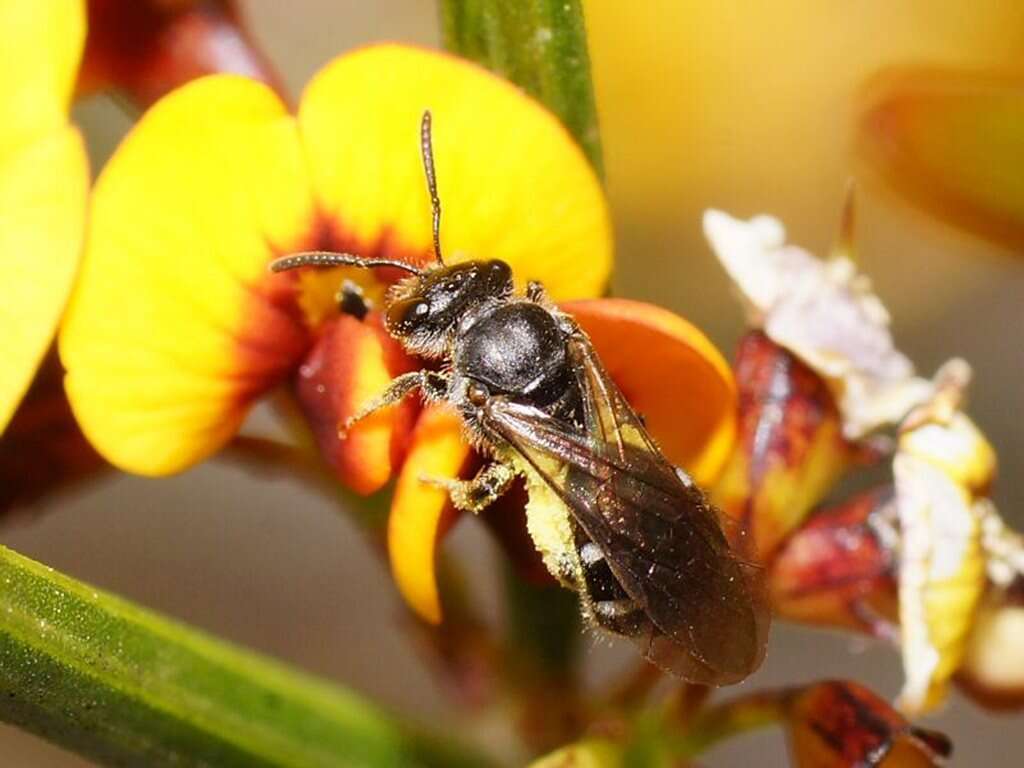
point(612, 518)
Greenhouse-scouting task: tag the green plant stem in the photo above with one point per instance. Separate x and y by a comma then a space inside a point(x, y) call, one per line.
point(541, 46)
point(722, 721)
point(123, 686)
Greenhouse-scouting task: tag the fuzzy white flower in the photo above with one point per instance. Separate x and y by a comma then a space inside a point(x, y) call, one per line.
point(825, 313)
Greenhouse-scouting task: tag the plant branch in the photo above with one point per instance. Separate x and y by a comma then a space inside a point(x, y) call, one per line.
point(541, 46)
point(121, 685)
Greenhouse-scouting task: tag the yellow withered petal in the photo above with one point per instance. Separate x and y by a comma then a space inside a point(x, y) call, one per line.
point(175, 326)
point(44, 177)
point(512, 183)
point(417, 520)
point(951, 143)
point(671, 374)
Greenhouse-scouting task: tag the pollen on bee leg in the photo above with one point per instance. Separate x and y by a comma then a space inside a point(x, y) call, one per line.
point(590, 553)
point(613, 609)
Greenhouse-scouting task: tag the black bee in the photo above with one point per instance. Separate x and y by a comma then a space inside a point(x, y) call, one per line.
point(611, 516)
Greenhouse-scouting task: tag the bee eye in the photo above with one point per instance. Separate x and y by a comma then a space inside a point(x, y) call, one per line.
point(405, 315)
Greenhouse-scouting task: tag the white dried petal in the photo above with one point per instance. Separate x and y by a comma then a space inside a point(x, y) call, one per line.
point(825, 313)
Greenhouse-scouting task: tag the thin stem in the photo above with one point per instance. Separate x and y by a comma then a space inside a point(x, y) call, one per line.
point(722, 721)
point(121, 685)
point(541, 46)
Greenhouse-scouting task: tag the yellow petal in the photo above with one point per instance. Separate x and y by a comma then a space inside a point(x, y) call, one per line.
point(44, 175)
point(512, 183)
point(671, 374)
point(951, 143)
point(416, 521)
point(175, 326)
point(941, 577)
point(42, 45)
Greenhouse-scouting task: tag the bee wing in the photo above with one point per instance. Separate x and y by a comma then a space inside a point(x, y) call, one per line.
point(660, 538)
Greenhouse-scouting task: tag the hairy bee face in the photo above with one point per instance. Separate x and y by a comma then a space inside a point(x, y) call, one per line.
point(424, 311)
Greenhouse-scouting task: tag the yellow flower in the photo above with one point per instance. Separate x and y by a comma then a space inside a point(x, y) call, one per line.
point(44, 177)
point(177, 328)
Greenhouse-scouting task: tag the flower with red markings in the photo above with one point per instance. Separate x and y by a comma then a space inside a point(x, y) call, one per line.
point(218, 179)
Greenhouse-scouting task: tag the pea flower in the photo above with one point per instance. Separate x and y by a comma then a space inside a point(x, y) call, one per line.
point(145, 48)
point(177, 327)
point(140, 49)
point(950, 141)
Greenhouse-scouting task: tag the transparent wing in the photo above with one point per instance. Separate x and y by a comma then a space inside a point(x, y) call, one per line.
point(660, 537)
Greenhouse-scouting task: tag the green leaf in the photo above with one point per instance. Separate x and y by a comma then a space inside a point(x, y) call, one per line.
point(124, 686)
point(541, 46)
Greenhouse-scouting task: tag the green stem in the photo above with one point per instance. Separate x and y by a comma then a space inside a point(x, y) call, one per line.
point(541, 46)
point(124, 686)
point(722, 721)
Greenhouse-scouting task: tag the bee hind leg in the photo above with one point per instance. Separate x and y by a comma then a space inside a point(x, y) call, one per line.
point(477, 494)
point(432, 384)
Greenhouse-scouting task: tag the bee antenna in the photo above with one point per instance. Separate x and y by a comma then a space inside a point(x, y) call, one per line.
point(334, 259)
point(427, 150)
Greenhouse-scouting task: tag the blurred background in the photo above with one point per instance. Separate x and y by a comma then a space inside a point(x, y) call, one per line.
point(742, 105)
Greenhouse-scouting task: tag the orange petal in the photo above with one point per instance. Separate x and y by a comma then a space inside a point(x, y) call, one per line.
point(44, 176)
point(147, 48)
point(672, 374)
point(417, 520)
point(175, 326)
point(952, 143)
point(512, 182)
point(840, 723)
point(350, 364)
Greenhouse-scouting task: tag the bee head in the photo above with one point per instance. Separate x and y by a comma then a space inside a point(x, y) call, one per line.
point(425, 310)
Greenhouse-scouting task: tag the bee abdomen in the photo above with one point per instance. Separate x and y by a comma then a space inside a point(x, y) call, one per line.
point(606, 602)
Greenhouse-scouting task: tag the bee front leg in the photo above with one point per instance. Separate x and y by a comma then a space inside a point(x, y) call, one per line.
point(433, 385)
point(477, 494)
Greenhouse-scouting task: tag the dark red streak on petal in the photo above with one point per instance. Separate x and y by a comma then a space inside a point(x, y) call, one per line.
point(783, 403)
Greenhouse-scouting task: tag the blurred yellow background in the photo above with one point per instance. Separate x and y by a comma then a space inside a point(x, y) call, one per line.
point(746, 106)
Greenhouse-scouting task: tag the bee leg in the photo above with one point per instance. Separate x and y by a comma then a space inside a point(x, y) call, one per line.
point(535, 292)
point(477, 494)
point(433, 385)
